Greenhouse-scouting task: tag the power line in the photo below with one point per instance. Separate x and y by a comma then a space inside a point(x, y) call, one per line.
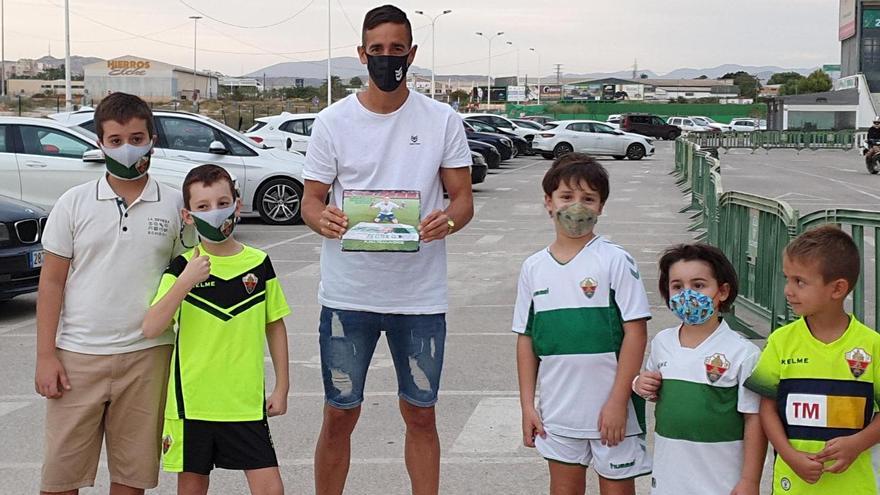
point(348, 19)
point(129, 38)
point(282, 21)
point(178, 45)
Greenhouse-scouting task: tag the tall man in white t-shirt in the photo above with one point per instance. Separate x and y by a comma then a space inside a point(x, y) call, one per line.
point(386, 138)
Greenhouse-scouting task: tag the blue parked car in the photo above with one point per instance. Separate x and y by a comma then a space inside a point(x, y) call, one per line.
point(21, 254)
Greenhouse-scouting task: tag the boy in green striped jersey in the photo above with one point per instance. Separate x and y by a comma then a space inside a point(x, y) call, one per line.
point(227, 304)
point(581, 313)
point(708, 438)
point(818, 375)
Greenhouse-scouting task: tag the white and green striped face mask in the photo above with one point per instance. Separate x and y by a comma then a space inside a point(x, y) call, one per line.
point(215, 225)
point(128, 162)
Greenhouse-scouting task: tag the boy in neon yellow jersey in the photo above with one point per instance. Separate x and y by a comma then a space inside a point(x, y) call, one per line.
point(227, 304)
point(818, 375)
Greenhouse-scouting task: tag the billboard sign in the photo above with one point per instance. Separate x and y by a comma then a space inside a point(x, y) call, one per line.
point(516, 93)
point(847, 25)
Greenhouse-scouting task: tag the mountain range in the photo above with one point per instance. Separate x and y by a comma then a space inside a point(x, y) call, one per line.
point(348, 67)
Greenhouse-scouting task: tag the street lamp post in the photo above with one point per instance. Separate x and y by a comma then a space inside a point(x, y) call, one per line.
point(68, 99)
point(433, 44)
point(2, 48)
point(539, 74)
point(195, 19)
point(516, 47)
point(489, 75)
point(329, 54)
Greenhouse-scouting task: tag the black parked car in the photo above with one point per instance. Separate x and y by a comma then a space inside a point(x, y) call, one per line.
point(479, 169)
point(523, 146)
point(489, 153)
point(649, 125)
point(503, 144)
point(21, 254)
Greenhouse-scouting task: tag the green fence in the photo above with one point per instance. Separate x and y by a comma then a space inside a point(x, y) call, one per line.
point(753, 232)
point(767, 140)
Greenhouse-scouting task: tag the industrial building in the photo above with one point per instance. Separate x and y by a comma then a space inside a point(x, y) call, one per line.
point(150, 79)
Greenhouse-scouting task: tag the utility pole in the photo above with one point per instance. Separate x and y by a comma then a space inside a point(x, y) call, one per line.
point(433, 44)
point(2, 48)
point(68, 99)
point(329, 55)
point(195, 19)
point(517, 60)
point(489, 75)
point(539, 74)
point(558, 74)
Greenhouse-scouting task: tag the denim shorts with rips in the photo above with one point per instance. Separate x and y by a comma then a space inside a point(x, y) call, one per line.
point(348, 339)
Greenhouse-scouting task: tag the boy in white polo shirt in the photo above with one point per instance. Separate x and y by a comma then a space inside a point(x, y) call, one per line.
point(107, 242)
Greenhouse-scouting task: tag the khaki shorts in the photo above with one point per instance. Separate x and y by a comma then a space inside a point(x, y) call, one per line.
point(119, 396)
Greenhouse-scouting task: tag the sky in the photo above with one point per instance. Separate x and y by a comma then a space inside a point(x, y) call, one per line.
point(237, 37)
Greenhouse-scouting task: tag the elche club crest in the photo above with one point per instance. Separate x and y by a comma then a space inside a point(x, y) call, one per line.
point(250, 282)
point(858, 360)
point(167, 440)
point(716, 365)
point(589, 285)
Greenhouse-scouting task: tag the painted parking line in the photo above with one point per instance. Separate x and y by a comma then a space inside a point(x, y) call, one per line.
point(493, 428)
point(8, 407)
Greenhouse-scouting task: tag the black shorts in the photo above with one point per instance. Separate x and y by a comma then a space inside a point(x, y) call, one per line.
point(195, 446)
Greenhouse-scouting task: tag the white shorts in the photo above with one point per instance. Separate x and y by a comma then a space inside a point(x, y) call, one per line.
point(627, 459)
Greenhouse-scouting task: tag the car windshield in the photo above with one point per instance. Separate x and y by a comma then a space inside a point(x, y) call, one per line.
point(701, 121)
point(550, 126)
point(257, 125)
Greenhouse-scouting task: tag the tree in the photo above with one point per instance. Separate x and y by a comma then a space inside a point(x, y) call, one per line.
point(704, 76)
point(459, 95)
point(784, 77)
point(355, 82)
point(747, 83)
point(338, 89)
point(643, 76)
point(817, 82)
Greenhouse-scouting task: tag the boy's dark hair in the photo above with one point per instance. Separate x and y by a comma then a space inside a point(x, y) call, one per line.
point(573, 168)
point(722, 269)
point(206, 175)
point(122, 107)
point(381, 15)
point(833, 249)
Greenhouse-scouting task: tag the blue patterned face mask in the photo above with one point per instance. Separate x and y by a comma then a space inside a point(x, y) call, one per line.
point(694, 308)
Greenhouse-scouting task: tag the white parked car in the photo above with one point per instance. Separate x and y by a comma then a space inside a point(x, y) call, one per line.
point(746, 125)
point(687, 124)
point(288, 131)
point(707, 122)
point(614, 120)
point(502, 123)
point(591, 137)
point(40, 159)
point(270, 180)
point(528, 124)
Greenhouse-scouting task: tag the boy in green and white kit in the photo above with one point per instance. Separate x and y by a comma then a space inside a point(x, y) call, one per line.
point(581, 313)
point(818, 375)
point(227, 303)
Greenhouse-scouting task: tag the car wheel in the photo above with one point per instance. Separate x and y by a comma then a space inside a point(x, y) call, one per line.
point(619, 157)
point(635, 151)
point(279, 201)
point(562, 149)
point(672, 136)
point(548, 156)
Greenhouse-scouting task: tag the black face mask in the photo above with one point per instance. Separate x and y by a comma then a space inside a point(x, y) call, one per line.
point(387, 71)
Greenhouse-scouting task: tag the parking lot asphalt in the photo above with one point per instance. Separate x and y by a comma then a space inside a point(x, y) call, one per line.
point(478, 412)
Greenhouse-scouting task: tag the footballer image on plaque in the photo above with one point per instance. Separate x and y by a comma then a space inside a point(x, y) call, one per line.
point(382, 220)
